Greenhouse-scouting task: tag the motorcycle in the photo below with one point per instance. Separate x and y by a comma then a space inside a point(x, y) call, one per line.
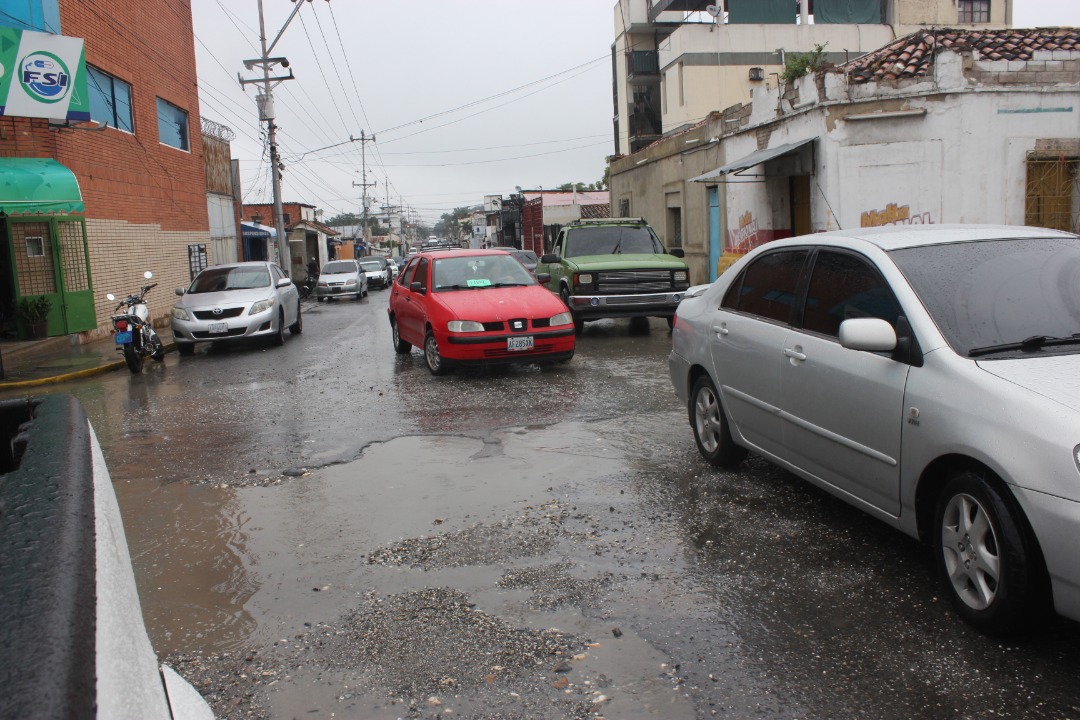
point(307, 286)
point(135, 336)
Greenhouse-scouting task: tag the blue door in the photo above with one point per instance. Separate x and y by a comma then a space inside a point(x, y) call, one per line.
point(714, 230)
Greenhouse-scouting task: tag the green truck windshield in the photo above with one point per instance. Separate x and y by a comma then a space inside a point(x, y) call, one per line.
point(611, 240)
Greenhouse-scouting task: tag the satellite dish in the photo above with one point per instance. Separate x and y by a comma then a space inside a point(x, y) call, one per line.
point(714, 10)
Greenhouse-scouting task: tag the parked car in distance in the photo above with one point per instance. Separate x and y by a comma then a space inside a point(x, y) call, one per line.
point(225, 303)
point(377, 270)
point(477, 307)
point(341, 278)
point(925, 374)
point(614, 268)
point(525, 257)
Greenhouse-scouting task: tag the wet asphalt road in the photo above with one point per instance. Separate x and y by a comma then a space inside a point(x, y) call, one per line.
point(325, 530)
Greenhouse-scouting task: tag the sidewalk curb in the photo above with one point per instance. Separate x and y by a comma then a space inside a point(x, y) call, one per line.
point(74, 375)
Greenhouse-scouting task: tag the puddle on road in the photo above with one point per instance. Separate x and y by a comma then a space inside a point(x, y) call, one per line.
point(242, 569)
point(220, 568)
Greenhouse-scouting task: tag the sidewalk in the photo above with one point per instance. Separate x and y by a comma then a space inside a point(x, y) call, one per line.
point(29, 363)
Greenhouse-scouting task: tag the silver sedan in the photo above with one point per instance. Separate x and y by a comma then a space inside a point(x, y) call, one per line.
point(926, 375)
point(236, 302)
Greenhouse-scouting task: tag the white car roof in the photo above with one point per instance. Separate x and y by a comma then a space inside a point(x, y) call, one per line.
point(896, 237)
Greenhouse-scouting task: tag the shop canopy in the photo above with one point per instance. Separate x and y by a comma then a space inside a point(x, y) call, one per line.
point(255, 231)
point(754, 158)
point(38, 186)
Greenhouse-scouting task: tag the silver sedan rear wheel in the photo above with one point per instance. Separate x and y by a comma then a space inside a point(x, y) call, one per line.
point(711, 427)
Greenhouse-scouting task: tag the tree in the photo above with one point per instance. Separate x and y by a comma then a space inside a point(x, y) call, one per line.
point(344, 219)
point(601, 184)
point(455, 224)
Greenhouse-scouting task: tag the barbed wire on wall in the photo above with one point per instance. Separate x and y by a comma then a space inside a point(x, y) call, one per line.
point(217, 130)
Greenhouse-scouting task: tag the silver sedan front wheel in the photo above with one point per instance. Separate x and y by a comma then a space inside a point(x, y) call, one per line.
point(988, 559)
point(970, 551)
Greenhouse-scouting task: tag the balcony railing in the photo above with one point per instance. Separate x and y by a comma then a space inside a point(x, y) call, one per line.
point(642, 62)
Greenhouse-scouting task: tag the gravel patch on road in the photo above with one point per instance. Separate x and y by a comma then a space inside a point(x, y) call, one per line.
point(428, 653)
point(553, 586)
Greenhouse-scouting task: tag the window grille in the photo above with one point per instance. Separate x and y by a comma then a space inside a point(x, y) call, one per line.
point(73, 256)
point(35, 271)
point(1053, 194)
point(196, 258)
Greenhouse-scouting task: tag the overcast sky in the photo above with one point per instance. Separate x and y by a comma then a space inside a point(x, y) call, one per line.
point(465, 98)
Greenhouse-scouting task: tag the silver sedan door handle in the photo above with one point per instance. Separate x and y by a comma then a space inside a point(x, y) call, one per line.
point(720, 329)
point(794, 354)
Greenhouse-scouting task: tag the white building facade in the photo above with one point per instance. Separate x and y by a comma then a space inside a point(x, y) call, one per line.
point(929, 129)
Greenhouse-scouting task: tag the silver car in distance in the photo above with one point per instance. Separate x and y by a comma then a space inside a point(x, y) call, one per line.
point(929, 375)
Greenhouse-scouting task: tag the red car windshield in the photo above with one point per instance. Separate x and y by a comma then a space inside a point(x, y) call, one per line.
point(477, 272)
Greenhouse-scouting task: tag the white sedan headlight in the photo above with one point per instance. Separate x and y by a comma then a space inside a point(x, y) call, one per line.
point(351, 281)
point(261, 306)
point(457, 326)
point(180, 313)
point(563, 318)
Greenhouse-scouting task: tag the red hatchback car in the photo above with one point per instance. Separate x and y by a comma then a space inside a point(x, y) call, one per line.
point(477, 307)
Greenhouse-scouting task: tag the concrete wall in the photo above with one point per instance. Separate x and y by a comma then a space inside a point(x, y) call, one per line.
point(715, 60)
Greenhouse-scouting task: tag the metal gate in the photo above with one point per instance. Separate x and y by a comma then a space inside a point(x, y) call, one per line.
point(48, 256)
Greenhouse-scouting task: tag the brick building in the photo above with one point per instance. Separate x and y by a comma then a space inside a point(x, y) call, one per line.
point(140, 175)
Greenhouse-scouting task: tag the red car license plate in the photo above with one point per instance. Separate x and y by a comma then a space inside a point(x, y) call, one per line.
point(522, 342)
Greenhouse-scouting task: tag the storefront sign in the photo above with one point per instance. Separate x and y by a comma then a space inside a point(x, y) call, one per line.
point(42, 76)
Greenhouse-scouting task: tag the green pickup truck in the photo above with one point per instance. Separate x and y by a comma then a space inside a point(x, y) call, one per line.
point(615, 267)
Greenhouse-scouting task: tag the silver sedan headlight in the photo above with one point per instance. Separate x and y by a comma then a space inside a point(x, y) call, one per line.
point(261, 306)
point(457, 326)
point(180, 313)
point(352, 282)
point(563, 318)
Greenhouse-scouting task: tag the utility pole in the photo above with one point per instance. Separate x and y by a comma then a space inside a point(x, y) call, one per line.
point(364, 185)
point(266, 113)
point(388, 209)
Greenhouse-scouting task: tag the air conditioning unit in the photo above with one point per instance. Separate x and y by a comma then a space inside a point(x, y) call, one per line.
point(757, 73)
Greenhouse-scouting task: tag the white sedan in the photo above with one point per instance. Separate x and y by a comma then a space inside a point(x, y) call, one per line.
point(924, 374)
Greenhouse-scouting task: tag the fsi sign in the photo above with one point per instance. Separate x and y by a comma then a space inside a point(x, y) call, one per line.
point(42, 76)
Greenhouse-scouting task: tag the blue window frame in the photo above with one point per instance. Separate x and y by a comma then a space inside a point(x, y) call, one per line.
point(110, 99)
point(40, 15)
point(172, 125)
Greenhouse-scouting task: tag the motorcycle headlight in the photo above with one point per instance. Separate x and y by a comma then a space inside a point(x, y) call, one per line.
point(180, 313)
point(563, 318)
point(456, 326)
point(261, 306)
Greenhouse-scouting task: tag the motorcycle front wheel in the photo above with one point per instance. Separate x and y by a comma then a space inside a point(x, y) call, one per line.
point(133, 358)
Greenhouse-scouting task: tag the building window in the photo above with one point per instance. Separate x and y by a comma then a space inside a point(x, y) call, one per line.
point(172, 125)
point(110, 99)
point(624, 207)
point(974, 11)
point(682, 87)
point(674, 227)
point(40, 15)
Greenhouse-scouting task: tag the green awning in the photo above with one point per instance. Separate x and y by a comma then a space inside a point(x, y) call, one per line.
point(38, 186)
